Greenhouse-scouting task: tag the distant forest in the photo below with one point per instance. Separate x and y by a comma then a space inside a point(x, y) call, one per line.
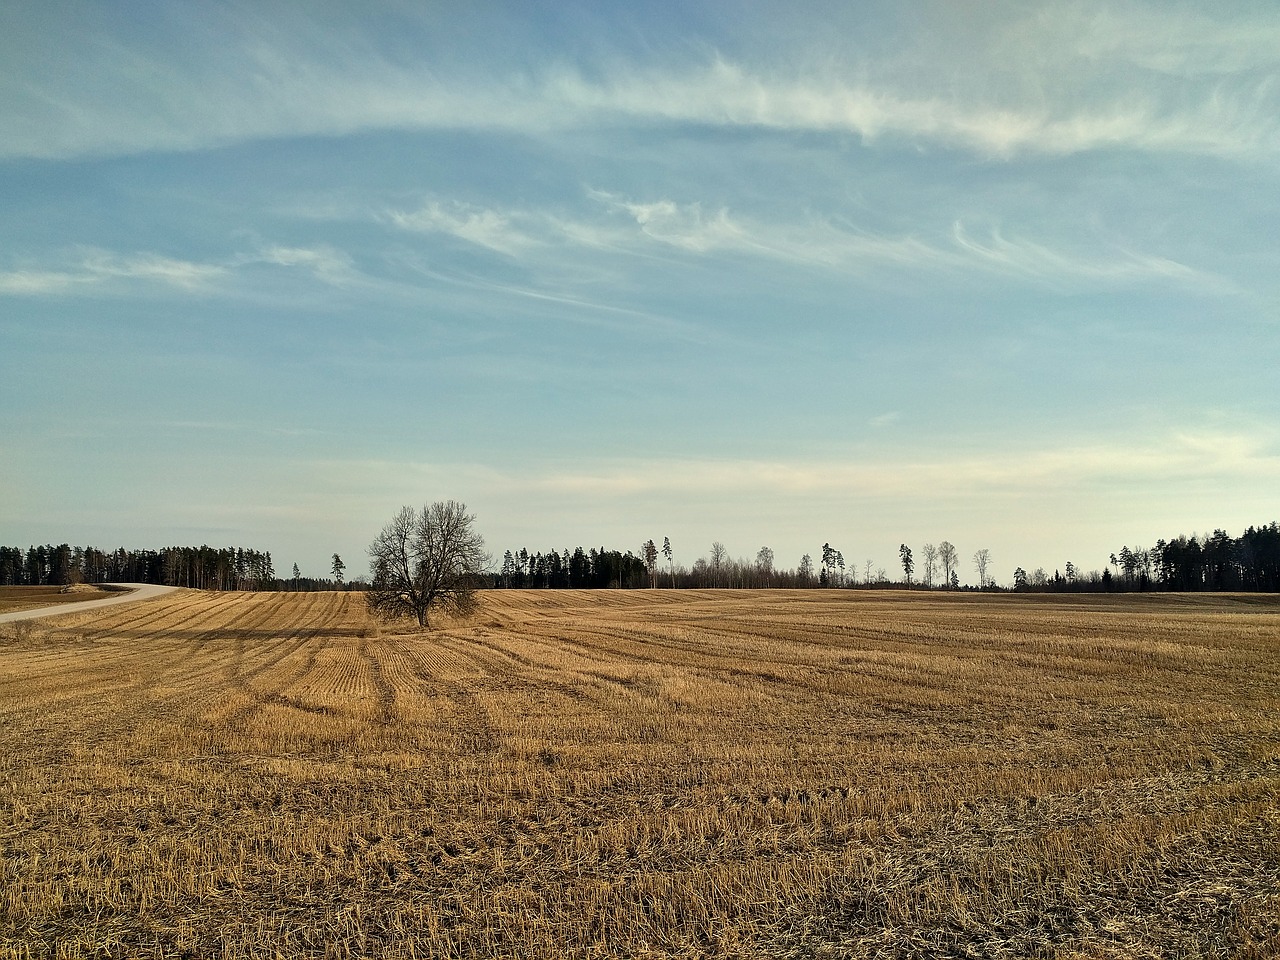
point(1248, 563)
point(1217, 562)
point(203, 568)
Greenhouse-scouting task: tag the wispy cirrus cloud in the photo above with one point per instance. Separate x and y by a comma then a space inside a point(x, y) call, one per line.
point(1053, 79)
point(34, 282)
point(693, 228)
point(96, 269)
point(324, 262)
point(481, 226)
point(728, 94)
point(685, 225)
point(1039, 262)
point(821, 242)
point(625, 225)
point(724, 93)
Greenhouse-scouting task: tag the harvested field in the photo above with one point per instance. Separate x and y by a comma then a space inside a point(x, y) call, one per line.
point(818, 774)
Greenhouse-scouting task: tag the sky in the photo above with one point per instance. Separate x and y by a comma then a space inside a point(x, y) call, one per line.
point(1005, 274)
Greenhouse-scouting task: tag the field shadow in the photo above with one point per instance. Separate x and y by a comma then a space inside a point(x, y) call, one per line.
point(241, 635)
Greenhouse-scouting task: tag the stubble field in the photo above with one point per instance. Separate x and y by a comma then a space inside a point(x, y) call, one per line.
point(826, 774)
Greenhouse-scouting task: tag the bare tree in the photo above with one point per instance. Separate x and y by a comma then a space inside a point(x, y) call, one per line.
point(425, 561)
point(764, 563)
point(981, 560)
point(930, 554)
point(719, 557)
point(947, 556)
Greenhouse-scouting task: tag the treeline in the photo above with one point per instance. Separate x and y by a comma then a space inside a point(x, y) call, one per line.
point(616, 569)
point(203, 568)
point(1249, 562)
point(576, 569)
point(1217, 562)
point(317, 584)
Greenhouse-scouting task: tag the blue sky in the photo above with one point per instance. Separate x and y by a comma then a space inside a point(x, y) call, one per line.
point(1004, 274)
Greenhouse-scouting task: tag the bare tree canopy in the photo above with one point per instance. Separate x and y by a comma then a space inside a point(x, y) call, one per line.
point(930, 553)
point(426, 561)
point(947, 554)
point(981, 560)
point(764, 560)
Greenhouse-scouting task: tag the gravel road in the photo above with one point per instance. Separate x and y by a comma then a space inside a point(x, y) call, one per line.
point(136, 591)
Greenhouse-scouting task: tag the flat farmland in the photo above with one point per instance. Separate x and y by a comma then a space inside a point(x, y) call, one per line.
point(645, 773)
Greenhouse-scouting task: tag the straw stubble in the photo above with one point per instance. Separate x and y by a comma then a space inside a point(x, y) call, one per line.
point(842, 774)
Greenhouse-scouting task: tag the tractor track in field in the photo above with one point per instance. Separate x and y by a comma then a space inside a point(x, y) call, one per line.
point(122, 690)
point(386, 692)
point(470, 724)
point(162, 682)
point(138, 621)
point(309, 636)
point(546, 674)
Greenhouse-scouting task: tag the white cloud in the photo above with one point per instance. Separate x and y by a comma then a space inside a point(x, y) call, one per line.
point(821, 242)
point(638, 226)
point(326, 263)
point(1036, 261)
point(688, 227)
point(483, 227)
point(1055, 79)
point(1176, 457)
point(152, 267)
point(102, 271)
point(1213, 121)
point(33, 282)
point(627, 226)
point(98, 268)
point(684, 225)
point(631, 226)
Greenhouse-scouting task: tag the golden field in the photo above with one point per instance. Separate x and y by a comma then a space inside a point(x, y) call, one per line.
point(645, 773)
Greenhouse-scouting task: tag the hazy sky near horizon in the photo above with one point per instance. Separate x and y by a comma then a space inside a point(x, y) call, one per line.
point(1005, 274)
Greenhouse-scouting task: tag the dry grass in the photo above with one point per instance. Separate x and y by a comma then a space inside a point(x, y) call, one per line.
point(29, 598)
point(642, 774)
